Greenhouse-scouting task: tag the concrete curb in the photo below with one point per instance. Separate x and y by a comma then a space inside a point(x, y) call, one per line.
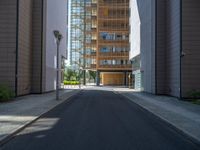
point(11, 136)
point(184, 133)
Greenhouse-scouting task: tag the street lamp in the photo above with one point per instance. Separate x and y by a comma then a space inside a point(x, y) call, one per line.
point(58, 37)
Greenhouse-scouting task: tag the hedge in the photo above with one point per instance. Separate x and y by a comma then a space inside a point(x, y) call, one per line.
point(71, 82)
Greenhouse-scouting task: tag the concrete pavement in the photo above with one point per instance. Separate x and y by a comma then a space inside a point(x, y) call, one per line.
point(17, 114)
point(99, 120)
point(180, 114)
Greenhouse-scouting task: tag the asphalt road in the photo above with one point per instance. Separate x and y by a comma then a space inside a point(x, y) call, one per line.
point(99, 120)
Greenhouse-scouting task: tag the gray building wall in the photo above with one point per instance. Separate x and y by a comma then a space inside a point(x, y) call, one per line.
point(16, 51)
point(146, 11)
point(8, 21)
point(161, 47)
point(56, 19)
point(153, 47)
point(177, 43)
point(48, 15)
point(26, 33)
point(190, 46)
point(148, 46)
point(24, 48)
point(173, 48)
point(37, 43)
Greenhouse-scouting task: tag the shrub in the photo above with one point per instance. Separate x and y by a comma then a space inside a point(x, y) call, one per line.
point(197, 102)
point(66, 82)
point(194, 94)
point(71, 82)
point(5, 94)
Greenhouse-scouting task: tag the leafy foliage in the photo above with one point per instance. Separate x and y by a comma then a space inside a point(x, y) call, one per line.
point(92, 74)
point(71, 75)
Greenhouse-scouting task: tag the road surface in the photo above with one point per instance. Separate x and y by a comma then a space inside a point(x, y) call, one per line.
point(99, 120)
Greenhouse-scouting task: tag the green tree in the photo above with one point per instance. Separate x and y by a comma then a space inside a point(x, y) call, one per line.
point(92, 75)
point(69, 74)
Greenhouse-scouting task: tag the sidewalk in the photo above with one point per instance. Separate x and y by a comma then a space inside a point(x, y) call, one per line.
point(182, 115)
point(17, 114)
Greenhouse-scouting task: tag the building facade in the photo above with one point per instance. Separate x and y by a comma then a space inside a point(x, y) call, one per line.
point(165, 42)
point(107, 40)
point(27, 46)
point(113, 64)
point(77, 30)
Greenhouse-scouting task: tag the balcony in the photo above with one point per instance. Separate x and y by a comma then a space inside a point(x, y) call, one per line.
point(89, 55)
point(115, 67)
point(113, 54)
point(118, 19)
point(91, 31)
point(114, 3)
point(91, 66)
point(91, 42)
point(94, 3)
point(113, 42)
point(114, 25)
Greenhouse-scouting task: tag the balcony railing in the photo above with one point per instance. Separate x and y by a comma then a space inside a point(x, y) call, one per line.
point(114, 41)
point(113, 28)
point(110, 3)
point(118, 18)
point(91, 66)
point(126, 66)
point(92, 54)
point(113, 54)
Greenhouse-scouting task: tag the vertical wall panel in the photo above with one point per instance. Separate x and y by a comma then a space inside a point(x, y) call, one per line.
point(146, 9)
point(24, 47)
point(173, 48)
point(191, 47)
point(37, 46)
point(8, 21)
point(55, 19)
point(161, 47)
